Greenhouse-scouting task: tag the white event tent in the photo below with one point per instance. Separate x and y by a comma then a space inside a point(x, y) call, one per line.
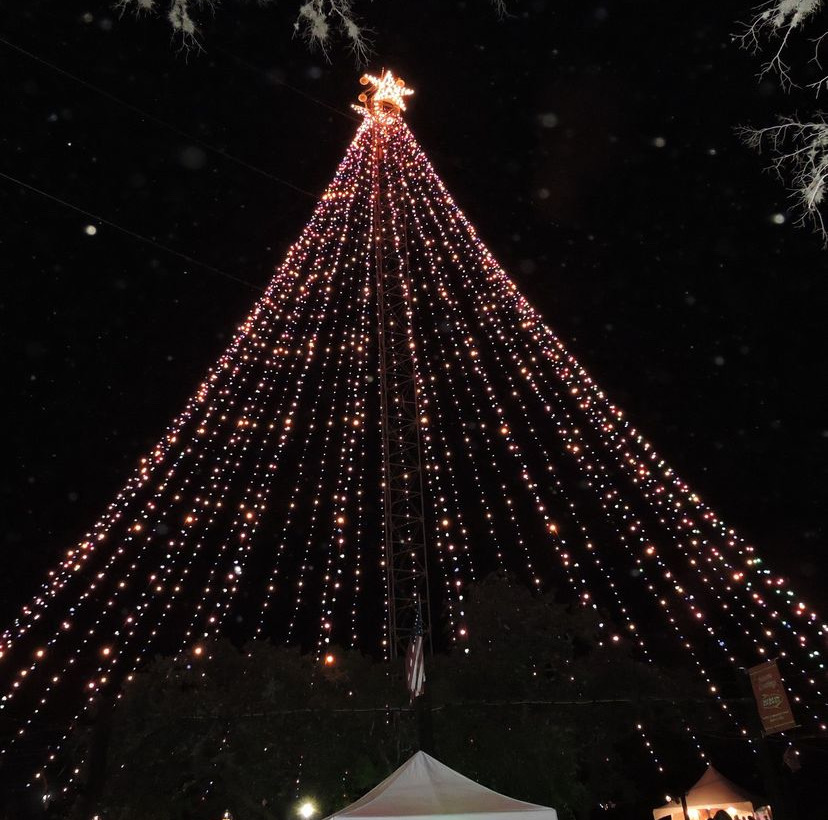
point(711, 793)
point(424, 789)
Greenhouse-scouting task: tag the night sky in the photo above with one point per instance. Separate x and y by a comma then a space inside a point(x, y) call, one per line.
point(593, 146)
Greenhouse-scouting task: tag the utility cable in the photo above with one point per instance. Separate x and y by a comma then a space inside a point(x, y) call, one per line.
point(157, 120)
point(129, 232)
point(256, 70)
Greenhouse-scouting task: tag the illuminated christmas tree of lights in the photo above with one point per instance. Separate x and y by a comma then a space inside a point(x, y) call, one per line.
point(260, 511)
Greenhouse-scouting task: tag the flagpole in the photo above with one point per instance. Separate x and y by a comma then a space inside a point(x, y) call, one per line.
point(415, 679)
point(425, 725)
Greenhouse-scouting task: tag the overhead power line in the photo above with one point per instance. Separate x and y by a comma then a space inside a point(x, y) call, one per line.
point(129, 232)
point(158, 120)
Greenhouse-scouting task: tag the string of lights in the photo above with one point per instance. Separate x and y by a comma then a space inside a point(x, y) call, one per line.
point(566, 558)
point(649, 551)
point(500, 339)
point(483, 257)
point(695, 612)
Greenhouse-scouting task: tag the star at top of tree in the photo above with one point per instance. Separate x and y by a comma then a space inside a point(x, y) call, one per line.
point(386, 95)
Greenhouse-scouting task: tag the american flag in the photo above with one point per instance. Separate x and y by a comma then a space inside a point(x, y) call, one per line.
point(415, 660)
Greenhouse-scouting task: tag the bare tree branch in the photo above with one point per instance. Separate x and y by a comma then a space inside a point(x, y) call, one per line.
point(799, 156)
point(774, 23)
point(318, 22)
point(798, 149)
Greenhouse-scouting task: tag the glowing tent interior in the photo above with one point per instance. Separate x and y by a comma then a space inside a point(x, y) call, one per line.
point(712, 792)
point(425, 788)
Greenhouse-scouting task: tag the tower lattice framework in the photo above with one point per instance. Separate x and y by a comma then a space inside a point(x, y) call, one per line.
point(405, 539)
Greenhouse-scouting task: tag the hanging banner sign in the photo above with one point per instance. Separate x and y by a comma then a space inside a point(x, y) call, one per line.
point(771, 698)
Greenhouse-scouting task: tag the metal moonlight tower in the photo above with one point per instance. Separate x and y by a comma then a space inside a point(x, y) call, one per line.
point(403, 493)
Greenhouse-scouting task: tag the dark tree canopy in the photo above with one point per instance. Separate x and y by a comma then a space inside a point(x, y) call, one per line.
point(541, 707)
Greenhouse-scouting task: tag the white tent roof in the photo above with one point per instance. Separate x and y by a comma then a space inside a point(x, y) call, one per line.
point(423, 789)
point(712, 791)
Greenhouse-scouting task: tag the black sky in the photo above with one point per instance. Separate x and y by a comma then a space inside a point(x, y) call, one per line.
point(592, 145)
